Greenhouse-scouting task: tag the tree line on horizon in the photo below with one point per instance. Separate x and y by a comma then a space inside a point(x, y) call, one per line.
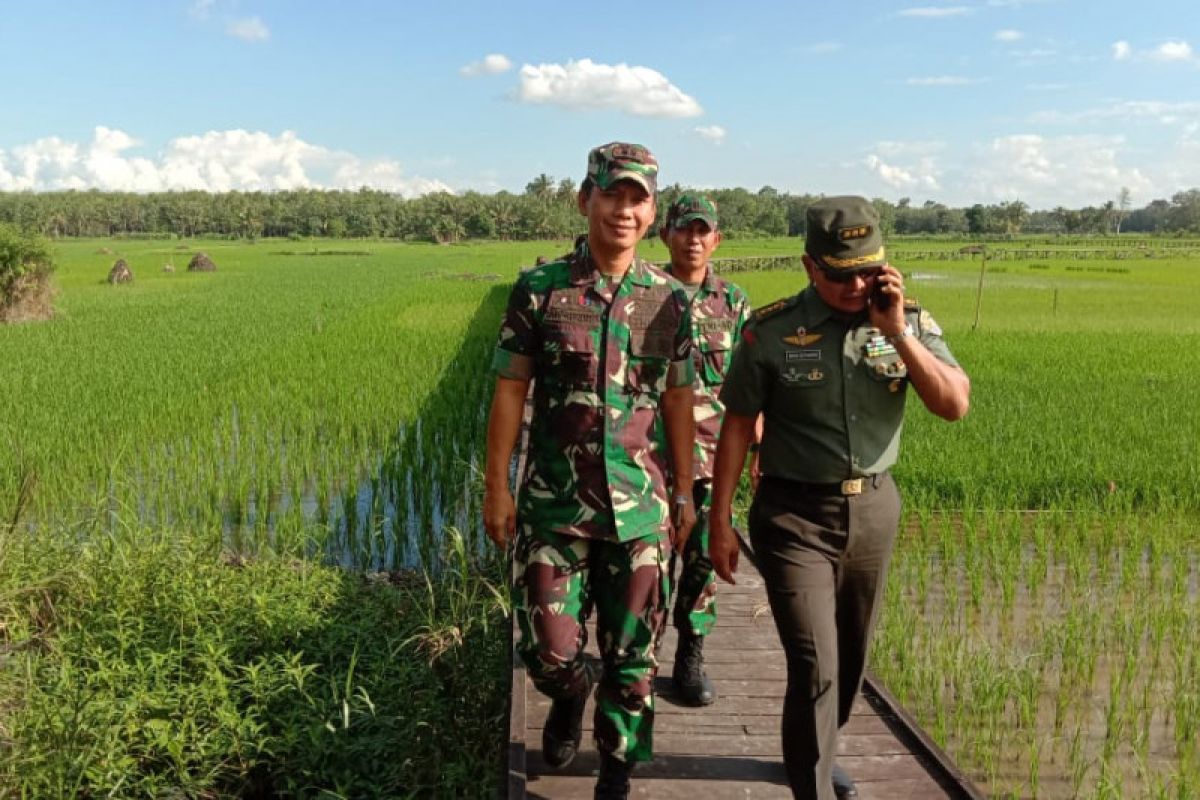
point(545, 210)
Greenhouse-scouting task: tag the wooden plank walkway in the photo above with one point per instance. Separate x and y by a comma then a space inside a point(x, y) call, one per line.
point(731, 749)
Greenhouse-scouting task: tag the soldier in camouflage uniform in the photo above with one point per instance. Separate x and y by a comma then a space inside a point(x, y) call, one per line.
point(719, 310)
point(829, 370)
point(605, 337)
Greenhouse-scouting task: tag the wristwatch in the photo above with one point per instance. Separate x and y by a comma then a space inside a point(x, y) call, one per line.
point(901, 336)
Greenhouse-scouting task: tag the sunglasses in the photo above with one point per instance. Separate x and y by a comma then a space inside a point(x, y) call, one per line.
point(846, 275)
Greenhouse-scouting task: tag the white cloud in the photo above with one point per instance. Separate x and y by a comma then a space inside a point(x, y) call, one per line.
point(940, 80)
point(214, 161)
point(1173, 51)
point(248, 29)
point(200, 9)
point(585, 85)
point(1035, 54)
point(922, 175)
point(907, 149)
point(491, 64)
point(1158, 111)
point(1008, 35)
point(713, 133)
point(933, 12)
point(1047, 172)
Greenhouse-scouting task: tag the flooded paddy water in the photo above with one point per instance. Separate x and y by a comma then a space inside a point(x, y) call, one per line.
point(336, 406)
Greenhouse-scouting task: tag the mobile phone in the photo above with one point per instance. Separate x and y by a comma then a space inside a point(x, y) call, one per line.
point(880, 299)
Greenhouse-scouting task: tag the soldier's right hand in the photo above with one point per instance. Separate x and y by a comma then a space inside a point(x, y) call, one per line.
point(723, 547)
point(499, 516)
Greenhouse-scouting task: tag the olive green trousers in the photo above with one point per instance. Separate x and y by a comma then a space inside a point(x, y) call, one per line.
point(824, 559)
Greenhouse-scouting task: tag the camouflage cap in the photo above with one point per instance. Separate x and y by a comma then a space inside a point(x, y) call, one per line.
point(690, 207)
point(617, 161)
point(844, 234)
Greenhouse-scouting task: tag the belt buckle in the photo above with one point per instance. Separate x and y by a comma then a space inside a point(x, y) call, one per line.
point(852, 486)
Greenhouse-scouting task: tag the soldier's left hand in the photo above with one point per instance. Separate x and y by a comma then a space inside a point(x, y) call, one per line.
point(891, 284)
point(683, 519)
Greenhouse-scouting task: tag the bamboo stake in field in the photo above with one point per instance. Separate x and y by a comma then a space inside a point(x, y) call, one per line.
point(979, 291)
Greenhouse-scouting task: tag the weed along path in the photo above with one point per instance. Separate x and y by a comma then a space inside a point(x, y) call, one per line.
point(731, 749)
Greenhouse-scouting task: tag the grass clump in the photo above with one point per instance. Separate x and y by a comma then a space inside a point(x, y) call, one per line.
point(151, 663)
point(25, 270)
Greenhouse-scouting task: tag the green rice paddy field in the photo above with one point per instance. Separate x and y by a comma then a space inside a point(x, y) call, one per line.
point(186, 456)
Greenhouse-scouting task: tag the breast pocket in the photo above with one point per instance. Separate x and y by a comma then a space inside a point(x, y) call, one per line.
point(712, 357)
point(648, 360)
point(886, 369)
point(569, 358)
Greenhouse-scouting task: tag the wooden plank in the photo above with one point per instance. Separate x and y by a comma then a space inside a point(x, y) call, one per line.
point(732, 748)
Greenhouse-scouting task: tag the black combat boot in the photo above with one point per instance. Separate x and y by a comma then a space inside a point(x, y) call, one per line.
point(564, 726)
point(613, 781)
point(691, 684)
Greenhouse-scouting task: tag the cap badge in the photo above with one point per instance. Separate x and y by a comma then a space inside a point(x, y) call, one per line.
point(855, 232)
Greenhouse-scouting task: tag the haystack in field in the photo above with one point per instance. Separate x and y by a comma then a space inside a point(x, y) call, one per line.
point(120, 273)
point(201, 263)
point(168, 267)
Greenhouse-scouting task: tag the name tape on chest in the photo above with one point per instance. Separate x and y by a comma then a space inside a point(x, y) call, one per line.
point(713, 325)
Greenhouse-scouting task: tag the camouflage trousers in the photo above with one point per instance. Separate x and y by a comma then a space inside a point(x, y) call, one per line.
point(696, 590)
point(559, 581)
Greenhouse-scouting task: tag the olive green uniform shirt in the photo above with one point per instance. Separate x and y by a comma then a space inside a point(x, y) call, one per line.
point(831, 389)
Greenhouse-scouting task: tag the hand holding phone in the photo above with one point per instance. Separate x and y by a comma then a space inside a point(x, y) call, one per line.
point(880, 299)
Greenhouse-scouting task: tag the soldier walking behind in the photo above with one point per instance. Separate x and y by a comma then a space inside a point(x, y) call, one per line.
point(719, 310)
point(606, 338)
point(829, 370)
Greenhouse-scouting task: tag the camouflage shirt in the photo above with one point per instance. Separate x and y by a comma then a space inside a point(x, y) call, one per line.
point(719, 310)
point(601, 355)
point(831, 390)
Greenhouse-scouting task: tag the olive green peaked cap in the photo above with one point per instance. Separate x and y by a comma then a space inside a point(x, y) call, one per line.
point(690, 207)
point(844, 234)
point(618, 161)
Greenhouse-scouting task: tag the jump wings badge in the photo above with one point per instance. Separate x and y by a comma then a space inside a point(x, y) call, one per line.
point(802, 338)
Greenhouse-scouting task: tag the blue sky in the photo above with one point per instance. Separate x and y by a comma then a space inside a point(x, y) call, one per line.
point(1054, 102)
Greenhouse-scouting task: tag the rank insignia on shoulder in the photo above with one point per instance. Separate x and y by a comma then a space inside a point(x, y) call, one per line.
point(770, 310)
point(802, 338)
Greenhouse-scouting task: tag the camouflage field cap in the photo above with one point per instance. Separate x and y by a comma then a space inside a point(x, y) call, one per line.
point(618, 161)
point(844, 234)
point(690, 207)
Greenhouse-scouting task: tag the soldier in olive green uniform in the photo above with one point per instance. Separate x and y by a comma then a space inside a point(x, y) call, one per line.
point(606, 339)
point(829, 369)
point(719, 311)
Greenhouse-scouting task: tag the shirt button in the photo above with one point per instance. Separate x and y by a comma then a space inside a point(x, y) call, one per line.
point(854, 417)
